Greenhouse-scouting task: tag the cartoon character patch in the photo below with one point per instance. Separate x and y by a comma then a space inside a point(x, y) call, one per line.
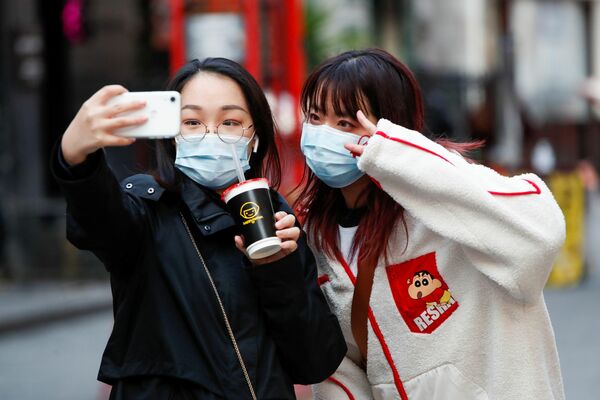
point(421, 295)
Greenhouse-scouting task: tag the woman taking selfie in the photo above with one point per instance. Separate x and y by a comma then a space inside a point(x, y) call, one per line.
point(194, 318)
point(433, 265)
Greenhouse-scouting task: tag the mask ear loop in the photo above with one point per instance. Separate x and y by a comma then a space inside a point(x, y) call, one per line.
point(361, 142)
point(365, 141)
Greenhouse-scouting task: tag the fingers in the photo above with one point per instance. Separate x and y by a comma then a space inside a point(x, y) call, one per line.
point(103, 131)
point(116, 141)
point(289, 234)
point(110, 124)
point(356, 149)
point(288, 247)
point(116, 109)
point(279, 215)
point(107, 92)
point(239, 243)
point(284, 220)
point(366, 123)
point(285, 225)
point(286, 231)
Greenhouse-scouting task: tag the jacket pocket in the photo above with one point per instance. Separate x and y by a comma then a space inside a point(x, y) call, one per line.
point(445, 382)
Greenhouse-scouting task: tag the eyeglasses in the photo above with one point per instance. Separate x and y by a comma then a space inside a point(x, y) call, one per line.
point(228, 131)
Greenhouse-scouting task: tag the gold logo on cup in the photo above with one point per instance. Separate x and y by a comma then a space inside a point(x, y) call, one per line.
point(249, 211)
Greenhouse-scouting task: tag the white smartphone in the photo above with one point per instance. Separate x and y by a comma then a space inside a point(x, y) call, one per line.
point(163, 109)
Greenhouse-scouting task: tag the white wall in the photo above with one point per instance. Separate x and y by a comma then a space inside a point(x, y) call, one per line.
point(453, 36)
point(550, 58)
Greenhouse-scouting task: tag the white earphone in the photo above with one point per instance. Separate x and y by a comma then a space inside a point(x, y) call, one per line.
point(255, 149)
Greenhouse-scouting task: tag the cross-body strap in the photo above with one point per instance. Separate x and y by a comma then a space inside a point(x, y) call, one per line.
point(226, 320)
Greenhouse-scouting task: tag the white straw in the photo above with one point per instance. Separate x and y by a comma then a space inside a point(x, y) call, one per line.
point(238, 166)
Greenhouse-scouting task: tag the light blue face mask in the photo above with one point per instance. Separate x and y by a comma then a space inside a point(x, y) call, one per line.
point(210, 162)
point(326, 156)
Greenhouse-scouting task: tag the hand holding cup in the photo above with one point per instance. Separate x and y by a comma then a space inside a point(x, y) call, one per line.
point(286, 231)
point(249, 203)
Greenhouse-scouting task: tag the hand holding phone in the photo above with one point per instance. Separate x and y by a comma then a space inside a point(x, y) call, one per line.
point(95, 124)
point(163, 110)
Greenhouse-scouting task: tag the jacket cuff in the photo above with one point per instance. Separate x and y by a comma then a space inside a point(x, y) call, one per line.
point(283, 278)
point(66, 174)
point(86, 183)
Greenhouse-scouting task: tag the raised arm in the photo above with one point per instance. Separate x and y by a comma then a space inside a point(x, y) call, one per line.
point(101, 217)
point(511, 227)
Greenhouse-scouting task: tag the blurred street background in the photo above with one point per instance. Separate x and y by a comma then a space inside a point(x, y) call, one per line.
point(519, 74)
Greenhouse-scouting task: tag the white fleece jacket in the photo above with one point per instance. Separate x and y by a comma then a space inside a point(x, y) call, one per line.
point(459, 315)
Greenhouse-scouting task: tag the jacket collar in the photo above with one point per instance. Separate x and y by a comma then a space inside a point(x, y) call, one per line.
point(206, 207)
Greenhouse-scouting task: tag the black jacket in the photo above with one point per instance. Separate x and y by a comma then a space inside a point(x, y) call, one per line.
point(167, 320)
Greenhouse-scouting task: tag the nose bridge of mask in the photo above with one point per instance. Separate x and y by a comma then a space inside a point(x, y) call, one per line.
point(324, 136)
point(213, 148)
point(327, 157)
point(211, 162)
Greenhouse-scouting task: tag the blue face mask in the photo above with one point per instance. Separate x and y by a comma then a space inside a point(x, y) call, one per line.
point(326, 156)
point(210, 162)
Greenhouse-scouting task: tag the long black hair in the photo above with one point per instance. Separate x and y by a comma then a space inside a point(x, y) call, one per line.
point(265, 162)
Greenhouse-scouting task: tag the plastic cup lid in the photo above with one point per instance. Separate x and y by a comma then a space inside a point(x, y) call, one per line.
point(241, 187)
point(264, 248)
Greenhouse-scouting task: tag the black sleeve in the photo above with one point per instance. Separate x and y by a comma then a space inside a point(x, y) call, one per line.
point(309, 340)
point(100, 217)
point(80, 171)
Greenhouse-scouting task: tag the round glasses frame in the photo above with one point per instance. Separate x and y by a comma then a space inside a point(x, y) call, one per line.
point(226, 133)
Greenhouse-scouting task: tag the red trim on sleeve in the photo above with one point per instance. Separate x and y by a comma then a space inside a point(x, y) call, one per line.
point(536, 190)
point(535, 187)
point(386, 136)
point(341, 385)
point(322, 279)
point(379, 334)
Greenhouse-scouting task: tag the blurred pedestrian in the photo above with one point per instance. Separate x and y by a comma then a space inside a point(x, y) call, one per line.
point(590, 90)
point(434, 265)
point(194, 318)
point(589, 176)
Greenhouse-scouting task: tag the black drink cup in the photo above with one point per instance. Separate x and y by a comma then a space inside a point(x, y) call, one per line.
point(249, 203)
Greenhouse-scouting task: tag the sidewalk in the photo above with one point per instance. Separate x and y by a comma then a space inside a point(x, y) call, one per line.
point(573, 314)
point(571, 311)
point(32, 304)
